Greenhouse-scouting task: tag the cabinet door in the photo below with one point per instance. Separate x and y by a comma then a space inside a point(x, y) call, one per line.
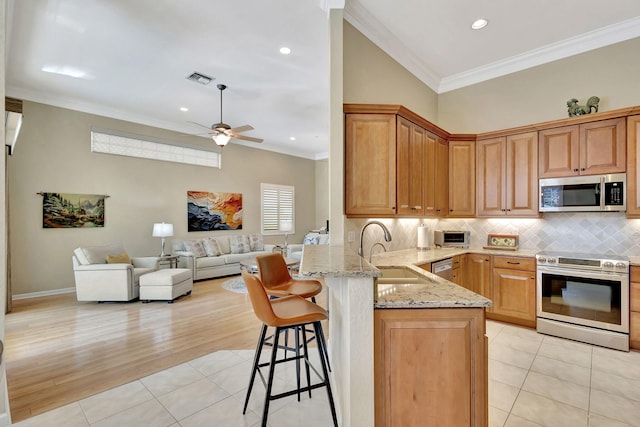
point(430, 367)
point(633, 164)
point(490, 177)
point(558, 152)
point(521, 175)
point(478, 274)
point(462, 179)
point(370, 164)
point(514, 295)
point(430, 175)
point(441, 177)
point(603, 147)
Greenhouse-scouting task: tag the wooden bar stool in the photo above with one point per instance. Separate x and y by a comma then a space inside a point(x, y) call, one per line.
point(278, 282)
point(283, 313)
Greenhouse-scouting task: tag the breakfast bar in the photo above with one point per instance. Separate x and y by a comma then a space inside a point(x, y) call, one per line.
point(367, 332)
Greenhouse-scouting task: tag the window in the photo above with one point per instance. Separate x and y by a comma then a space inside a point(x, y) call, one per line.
point(123, 144)
point(278, 214)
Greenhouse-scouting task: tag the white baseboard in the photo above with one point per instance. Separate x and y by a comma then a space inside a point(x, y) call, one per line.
point(5, 419)
point(43, 293)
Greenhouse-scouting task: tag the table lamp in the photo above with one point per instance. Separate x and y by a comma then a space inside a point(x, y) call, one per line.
point(162, 230)
point(286, 226)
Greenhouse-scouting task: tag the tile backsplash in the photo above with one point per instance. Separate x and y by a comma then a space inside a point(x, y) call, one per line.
point(603, 233)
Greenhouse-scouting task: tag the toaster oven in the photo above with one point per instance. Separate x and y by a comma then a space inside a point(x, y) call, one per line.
point(451, 238)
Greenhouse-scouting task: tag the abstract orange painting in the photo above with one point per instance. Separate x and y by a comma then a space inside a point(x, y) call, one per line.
point(214, 211)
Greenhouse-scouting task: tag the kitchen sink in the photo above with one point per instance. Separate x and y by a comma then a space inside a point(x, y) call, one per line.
point(392, 276)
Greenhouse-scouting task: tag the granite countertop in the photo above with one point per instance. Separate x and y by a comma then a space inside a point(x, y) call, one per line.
point(414, 256)
point(435, 292)
point(334, 261)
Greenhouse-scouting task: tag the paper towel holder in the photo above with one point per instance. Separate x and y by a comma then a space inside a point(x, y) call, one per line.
point(423, 238)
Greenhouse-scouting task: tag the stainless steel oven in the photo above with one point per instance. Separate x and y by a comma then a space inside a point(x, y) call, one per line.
point(584, 297)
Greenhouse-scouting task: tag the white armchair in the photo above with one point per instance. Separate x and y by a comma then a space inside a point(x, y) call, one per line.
point(106, 273)
point(312, 238)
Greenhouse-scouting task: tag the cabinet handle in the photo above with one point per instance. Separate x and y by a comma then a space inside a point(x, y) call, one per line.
point(514, 263)
point(575, 170)
point(582, 169)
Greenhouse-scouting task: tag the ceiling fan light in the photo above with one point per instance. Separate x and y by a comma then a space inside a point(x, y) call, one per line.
point(221, 139)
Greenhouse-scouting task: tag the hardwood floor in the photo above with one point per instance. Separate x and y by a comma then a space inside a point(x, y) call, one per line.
point(59, 350)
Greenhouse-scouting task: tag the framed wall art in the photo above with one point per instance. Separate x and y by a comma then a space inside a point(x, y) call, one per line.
point(67, 210)
point(213, 211)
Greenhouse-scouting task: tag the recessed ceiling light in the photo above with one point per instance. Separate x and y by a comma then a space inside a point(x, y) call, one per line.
point(285, 50)
point(293, 138)
point(479, 23)
point(184, 109)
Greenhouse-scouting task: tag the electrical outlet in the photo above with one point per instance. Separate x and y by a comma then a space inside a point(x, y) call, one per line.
point(351, 236)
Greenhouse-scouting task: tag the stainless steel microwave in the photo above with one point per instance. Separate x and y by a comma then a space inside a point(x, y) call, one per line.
point(595, 193)
point(451, 239)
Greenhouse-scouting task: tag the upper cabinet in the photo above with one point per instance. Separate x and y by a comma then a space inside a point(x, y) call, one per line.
point(394, 165)
point(370, 164)
point(462, 179)
point(507, 176)
point(633, 163)
point(410, 168)
point(591, 148)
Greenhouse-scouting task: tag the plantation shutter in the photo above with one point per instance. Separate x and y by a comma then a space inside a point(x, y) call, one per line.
point(278, 203)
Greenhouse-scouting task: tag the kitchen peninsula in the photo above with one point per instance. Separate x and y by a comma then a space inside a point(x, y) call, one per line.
point(406, 352)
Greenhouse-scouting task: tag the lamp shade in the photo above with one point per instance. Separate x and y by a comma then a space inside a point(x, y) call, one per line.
point(286, 226)
point(221, 139)
point(162, 230)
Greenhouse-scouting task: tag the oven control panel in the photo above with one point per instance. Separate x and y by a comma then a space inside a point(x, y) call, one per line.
point(610, 263)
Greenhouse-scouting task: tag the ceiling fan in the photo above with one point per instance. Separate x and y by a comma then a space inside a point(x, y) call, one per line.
point(221, 132)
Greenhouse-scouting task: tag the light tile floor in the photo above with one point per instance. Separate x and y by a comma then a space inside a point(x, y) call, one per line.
point(534, 380)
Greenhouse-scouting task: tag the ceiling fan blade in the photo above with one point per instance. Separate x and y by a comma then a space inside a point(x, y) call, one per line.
point(246, 138)
point(198, 124)
point(241, 129)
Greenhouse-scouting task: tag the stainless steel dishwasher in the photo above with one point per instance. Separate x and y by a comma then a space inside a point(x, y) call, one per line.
point(443, 268)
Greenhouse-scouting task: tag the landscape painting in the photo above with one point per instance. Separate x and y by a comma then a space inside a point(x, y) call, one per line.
point(64, 210)
point(214, 211)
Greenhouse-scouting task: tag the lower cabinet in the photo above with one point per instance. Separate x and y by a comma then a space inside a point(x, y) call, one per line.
point(477, 274)
point(634, 305)
point(430, 367)
point(514, 290)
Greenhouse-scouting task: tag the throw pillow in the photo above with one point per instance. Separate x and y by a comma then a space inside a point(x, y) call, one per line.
point(255, 242)
point(211, 246)
point(239, 244)
point(311, 240)
point(223, 244)
point(195, 247)
point(122, 258)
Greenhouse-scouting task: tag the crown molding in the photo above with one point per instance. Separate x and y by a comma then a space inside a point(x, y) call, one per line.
point(356, 15)
point(601, 37)
point(375, 31)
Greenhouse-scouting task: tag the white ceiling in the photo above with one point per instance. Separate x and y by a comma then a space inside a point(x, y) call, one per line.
point(137, 54)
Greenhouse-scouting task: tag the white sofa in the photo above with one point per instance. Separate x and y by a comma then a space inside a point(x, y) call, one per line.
point(117, 280)
point(210, 257)
point(312, 238)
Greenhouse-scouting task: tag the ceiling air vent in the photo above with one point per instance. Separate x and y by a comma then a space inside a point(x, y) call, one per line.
point(200, 78)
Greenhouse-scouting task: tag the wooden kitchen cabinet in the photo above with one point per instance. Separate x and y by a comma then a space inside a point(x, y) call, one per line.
point(370, 164)
point(430, 367)
point(634, 306)
point(458, 266)
point(590, 148)
point(436, 188)
point(411, 151)
point(507, 176)
point(462, 179)
point(633, 164)
point(477, 275)
point(514, 290)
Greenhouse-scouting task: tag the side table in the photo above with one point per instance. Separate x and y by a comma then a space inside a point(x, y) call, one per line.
point(170, 260)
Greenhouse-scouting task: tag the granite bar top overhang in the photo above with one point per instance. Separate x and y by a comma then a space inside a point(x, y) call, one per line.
point(334, 261)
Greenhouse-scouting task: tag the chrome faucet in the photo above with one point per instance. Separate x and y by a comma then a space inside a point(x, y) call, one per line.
point(387, 235)
point(373, 246)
